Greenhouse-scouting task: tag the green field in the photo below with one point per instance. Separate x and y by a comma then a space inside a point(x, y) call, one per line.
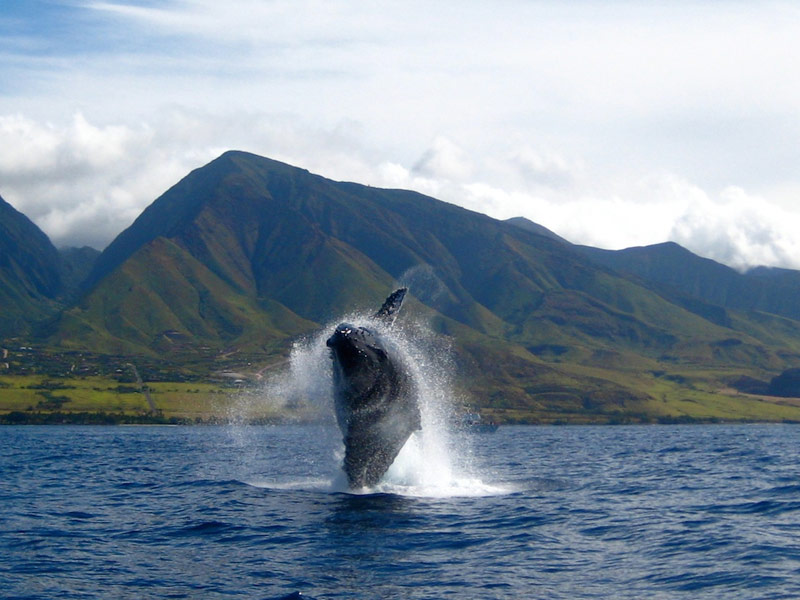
point(30, 398)
point(185, 401)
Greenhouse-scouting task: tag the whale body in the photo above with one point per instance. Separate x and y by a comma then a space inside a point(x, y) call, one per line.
point(376, 405)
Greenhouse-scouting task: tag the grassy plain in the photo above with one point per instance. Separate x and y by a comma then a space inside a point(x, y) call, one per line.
point(685, 394)
point(99, 394)
point(685, 398)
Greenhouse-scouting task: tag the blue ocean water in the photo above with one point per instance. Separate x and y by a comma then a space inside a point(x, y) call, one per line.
point(526, 512)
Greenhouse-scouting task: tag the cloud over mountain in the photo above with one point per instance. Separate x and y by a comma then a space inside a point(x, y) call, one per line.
point(614, 124)
point(83, 183)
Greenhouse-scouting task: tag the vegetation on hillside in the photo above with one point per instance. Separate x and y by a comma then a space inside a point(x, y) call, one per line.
point(245, 255)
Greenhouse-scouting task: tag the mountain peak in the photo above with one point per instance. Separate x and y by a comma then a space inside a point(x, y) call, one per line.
point(529, 225)
point(241, 159)
point(224, 179)
point(247, 253)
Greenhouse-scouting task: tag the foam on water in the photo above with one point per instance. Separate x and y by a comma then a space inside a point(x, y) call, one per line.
point(309, 485)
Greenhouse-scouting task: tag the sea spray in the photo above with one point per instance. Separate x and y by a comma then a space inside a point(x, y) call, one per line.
point(295, 390)
point(436, 459)
point(427, 459)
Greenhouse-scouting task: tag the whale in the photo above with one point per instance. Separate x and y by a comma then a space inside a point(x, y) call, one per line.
point(375, 401)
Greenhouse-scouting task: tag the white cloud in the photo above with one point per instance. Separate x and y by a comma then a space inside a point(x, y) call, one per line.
point(545, 168)
point(740, 230)
point(26, 147)
point(81, 183)
point(444, 160)
point(612, 123)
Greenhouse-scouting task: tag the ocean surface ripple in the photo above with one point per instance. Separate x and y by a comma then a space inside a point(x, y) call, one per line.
point(256, 512)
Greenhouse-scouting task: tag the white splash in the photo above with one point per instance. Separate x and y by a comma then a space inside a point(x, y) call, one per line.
point(424, 468)
point(435, 461)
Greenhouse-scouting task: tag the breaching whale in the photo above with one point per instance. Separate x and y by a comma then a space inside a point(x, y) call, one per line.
point(376, 406)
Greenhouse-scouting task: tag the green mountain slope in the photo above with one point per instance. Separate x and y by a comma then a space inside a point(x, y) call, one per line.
point(248, 253)
point(319, 248)
point(163, 296)
point(529, 225)
point(30, 278)
point(679, 273)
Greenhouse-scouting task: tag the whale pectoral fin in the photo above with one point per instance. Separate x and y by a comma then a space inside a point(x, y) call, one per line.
point(392, 304)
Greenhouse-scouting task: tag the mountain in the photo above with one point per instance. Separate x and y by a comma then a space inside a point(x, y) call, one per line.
point(246, 254)
point(529, 225)
point(30, 276)
point(680, 274)
point(259, 231)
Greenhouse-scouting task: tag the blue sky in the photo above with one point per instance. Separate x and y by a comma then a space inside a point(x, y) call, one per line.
point(613, 123)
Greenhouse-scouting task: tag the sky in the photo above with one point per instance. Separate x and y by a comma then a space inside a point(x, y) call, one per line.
point(613, 123)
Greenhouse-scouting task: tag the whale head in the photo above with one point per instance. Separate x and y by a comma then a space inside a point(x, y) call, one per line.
point(356, 349)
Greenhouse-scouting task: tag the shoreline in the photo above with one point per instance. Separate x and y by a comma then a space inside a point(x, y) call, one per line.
point(16, 418)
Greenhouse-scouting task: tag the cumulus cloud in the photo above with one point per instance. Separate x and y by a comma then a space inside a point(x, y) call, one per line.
point(83, 183)
point(614, 125)
point(80, 182)
point(443, 160)
point(740, 230)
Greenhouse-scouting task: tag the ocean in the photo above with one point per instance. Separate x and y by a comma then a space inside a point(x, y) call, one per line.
point(525, 512)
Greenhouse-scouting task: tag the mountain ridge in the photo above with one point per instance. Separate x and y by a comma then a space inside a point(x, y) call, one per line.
point(679, 271)
point(247, 252)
